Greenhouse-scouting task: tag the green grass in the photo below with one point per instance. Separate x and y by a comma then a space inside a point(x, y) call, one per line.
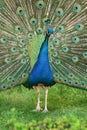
point(62, 100)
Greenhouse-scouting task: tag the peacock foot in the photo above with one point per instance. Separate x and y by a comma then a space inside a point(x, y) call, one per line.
point(45, 110)
point(37, 109)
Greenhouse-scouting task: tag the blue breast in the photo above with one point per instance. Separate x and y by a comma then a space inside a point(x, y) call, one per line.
point(41, 72)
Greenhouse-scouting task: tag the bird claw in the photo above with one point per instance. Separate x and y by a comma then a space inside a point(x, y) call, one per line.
point(45, 110)
point(37, 109)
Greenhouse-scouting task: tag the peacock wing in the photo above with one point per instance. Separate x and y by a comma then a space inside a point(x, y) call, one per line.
point(68, 46)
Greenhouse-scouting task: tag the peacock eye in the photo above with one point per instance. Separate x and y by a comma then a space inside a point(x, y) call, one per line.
point(65, 49)
point(23, 42)
point(85, 55)
point(4, 86)
point(75, 39)
point(33, 21)
point(60, 28)
point(76, 83)
point(77, 8)
point(83, 83)
point(18, 29)
point(30, 35)
point(1, 6)
point(13, 49)
point(65, 80)
point(59, 12)
point(23, 61)
point(24, 75)
point(39, 30)
point(79, 26)
point(71, 75)
point(56, 42)
point(46, 21)
point(57, 61)
point(40, 4)
point(4, 40)
point(70, 82)
point(56, 75)
point(9, 78)
point(25, 53)
point(20, 11)
point(75, 59)
point(13, 80)
point(8, 60)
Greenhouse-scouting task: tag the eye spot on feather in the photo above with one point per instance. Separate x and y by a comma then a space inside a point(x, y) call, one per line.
point(65, 80)
point(23, 61)
point(65, 49)
point(75, 59)
point(57, 61)
point(50, 60)
point(40, 4)
point(59, 12)
point(4, 40)
point(20, 11)
point(71, 75)
point(60, 79)
point(13, 49)
point(4, 87)
point(46, 21)
point(9, 78)
point(13, 81)
point(18, 29)
point(54, 53)
point(1, 6)
point(76, 83)
point(25, 53)
point(75, 39)
point(8, 60)
point(79, 26)
point(51, 46)
point(30, 35)
point(83, 83)
point(23, 42)
point(33, 21)
point(70, 82)
point(77, 8)
point(60, 28)
point(24, 75)
point(85, 55)
point(39, 30)
point(56, 75)
point(56, 42)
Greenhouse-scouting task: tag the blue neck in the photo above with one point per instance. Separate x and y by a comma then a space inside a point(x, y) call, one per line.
point(44, 47)
point(41, 72)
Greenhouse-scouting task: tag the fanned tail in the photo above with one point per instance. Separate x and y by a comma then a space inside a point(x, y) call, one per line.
point(68, 47)
point(23, 26)
point(14, 57)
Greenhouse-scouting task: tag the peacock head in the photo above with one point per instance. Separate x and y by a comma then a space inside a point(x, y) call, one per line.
point(49, 31)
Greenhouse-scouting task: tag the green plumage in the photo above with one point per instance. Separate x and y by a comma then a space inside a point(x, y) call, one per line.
point(23, 25)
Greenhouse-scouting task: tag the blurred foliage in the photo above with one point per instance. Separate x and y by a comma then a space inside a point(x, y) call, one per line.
point(61, 123)
point(16, 106)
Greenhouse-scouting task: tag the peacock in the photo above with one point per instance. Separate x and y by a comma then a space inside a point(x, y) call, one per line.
point(43, 42)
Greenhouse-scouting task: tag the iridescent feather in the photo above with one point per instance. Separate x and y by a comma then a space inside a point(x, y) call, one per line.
point(23, 25)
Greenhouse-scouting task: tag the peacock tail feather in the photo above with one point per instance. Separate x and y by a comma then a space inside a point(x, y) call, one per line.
point(23, 25)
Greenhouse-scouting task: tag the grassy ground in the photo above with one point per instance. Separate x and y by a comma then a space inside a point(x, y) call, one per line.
point(62, 100)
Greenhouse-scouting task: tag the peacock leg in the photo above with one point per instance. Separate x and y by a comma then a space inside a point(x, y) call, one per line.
point(46, 95)
point(38, 108)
